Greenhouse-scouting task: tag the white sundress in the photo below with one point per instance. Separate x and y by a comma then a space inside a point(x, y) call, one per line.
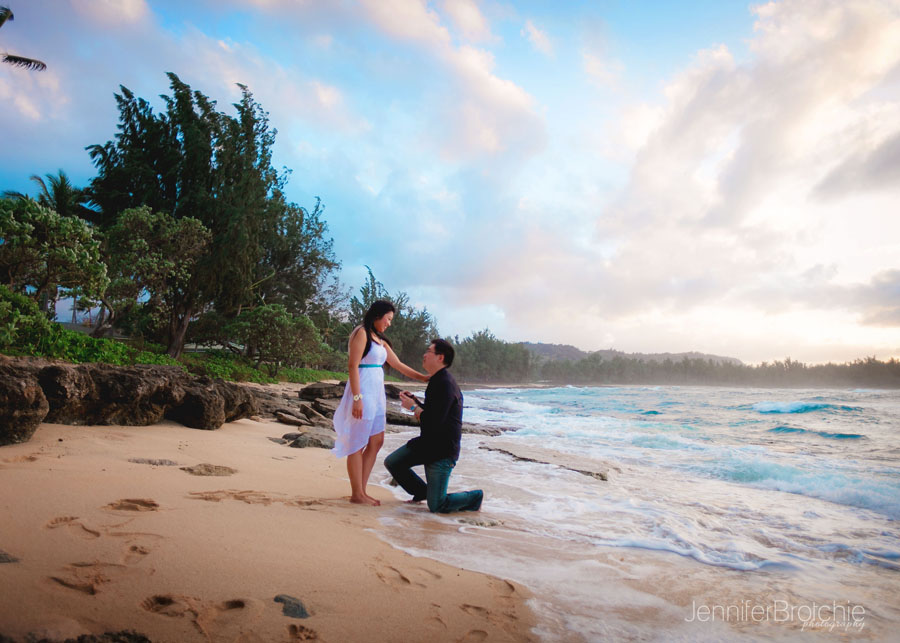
point(353, 434)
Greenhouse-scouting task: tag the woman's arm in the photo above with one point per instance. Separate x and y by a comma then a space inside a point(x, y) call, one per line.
point(354, 355)
point(395, 363)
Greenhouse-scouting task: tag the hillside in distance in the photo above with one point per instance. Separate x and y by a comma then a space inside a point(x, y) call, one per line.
point(553, 352)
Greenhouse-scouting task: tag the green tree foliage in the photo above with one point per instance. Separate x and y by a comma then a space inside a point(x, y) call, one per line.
point(152, 261)
point(22, 324)
point(41, 250)
point(193, 161)
point(482, 357)
point(411, 330)
point(276, 337)
point(28, 63)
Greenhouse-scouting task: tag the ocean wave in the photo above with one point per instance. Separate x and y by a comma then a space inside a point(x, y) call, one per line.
point(663, 442)
point(831, 486)
point(824, 434)
point(801, 407)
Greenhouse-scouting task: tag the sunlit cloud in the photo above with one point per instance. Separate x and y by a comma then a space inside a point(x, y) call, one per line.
point(113, 12)
point(408, 20)
point(538, 38)
point(468, 20)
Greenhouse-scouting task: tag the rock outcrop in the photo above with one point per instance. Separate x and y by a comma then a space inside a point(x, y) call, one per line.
point(23, 404)
point(574, 463)
point(35, 391)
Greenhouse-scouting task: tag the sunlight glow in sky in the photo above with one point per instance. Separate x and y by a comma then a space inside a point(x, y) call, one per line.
point(646, 176)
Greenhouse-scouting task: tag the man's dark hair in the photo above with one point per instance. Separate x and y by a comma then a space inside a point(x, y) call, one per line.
point(443, 347)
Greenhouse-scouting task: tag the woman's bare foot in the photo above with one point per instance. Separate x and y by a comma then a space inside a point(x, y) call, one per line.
point(375, 501)
point(364, 500)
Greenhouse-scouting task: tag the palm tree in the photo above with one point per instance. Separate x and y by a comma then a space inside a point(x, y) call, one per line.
point(59, 194)
point(28, 63)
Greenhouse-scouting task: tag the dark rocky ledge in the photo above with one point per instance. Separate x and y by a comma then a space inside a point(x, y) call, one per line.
point(583, 466)
point(34, 391)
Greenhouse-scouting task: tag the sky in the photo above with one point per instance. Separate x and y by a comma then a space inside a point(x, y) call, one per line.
point(647, 176)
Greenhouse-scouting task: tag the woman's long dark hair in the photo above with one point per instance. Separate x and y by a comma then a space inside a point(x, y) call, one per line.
point(377, 310)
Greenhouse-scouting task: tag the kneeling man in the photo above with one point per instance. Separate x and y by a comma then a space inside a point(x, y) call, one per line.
point(437, 446)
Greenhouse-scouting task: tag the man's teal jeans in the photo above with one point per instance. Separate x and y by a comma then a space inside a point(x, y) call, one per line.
point(400, 464)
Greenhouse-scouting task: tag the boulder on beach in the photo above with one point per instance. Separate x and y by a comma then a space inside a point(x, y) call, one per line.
point(322, 390)
point(23, 405)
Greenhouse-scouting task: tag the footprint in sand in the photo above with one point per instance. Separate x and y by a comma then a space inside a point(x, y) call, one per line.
point(301, 633)
point(248, 496)
point(226, 620)
point(473, 636)
point(133, 504)
point(206, 469)
point(475, 610)
point(306, 504)
point(503, 588)
point(412, 577)
point(169, 605)
point(154, 462)
point(23, 458)
point(257, 498)
point(75, 525)
point(87, 578)
point(217, 621)
point(137, 545)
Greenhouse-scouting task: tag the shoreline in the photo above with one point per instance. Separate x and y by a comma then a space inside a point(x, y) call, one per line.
point(106, 532)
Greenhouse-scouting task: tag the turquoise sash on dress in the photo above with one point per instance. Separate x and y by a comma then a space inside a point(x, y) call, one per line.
point(371, 365)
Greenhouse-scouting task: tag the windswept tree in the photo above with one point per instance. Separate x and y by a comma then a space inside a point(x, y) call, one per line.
point(28, 63)
point(191, 160)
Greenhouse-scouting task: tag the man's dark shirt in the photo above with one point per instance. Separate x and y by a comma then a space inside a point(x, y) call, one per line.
point(441, 420)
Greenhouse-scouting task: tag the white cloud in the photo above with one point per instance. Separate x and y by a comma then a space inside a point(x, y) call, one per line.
point(486, 117)
point(538, 39)
point(602, 72)
point(113, 12)
point(407, 20)
point(468, 20)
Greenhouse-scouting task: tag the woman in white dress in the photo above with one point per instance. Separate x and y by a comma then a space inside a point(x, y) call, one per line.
point(360, 418)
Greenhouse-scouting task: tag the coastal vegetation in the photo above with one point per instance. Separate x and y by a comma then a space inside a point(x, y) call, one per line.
point(184, 250)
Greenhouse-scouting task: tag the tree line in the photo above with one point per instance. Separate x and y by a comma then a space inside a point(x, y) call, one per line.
point(185, 238)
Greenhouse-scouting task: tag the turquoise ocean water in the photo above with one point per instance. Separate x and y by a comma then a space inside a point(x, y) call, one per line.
point(729, 514)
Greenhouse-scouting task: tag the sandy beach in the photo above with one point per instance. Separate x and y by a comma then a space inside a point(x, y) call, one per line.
point(104, 530)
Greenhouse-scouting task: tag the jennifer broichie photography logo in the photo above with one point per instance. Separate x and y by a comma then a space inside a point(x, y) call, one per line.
point(833, 616)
